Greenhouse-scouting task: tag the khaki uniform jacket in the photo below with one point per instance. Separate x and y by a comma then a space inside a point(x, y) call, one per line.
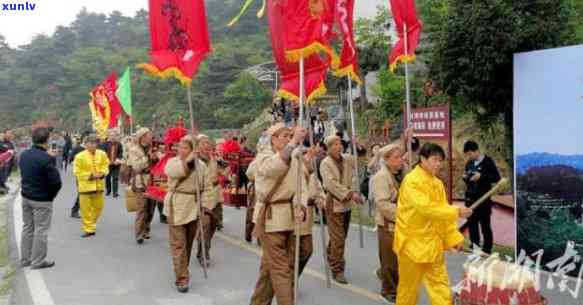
point(270, 167)
point(139, 161)
point(386, 190)
point(180, 204)
point(316, 195)
point(211, 196)
point(338, 186)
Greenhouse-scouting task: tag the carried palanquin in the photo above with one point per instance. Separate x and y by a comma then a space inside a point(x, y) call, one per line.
point(157, 189)
point(234, 184)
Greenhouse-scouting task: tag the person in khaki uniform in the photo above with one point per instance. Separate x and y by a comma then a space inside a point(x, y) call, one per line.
point(181, 207)
point(275, 216)
point(385, 189)
point(210, 198)
point(336, 170)
point(251, 174)
point(140, 162)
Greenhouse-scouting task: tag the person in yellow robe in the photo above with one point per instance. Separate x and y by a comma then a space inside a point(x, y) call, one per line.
point(90, 167)
point(426, 227)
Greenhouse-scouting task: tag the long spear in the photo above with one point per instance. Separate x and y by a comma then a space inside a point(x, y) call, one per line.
point(320, 213)
point(355, 154)
point(299, 192)
point(197, 188)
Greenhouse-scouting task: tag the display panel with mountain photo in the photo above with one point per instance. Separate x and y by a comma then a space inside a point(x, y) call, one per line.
point(548, 138)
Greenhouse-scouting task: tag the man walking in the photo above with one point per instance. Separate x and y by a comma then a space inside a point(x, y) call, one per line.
point(90, 167)
point(481, 173)
point(41, 183)
point(114, 151)
point(141, 160)
point(336, 170)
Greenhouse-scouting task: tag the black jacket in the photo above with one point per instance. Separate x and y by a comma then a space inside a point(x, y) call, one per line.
point(488, 176)
point(40, 178)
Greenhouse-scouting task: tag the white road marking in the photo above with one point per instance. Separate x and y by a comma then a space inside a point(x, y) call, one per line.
point(36, 283)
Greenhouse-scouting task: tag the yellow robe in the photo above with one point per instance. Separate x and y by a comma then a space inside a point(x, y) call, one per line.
point(426, 226)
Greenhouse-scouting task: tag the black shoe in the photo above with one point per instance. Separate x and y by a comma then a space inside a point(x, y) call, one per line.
point(87, 234)
point(249, 239)
point(43, 265)
point(146, 236)
point(182, 288)
point(377, 272)
point(75, 215)
point(389, 298)
point(140, 240)
point(340, 279)
point(115, 195)
point(163, 220)
point(25, 264)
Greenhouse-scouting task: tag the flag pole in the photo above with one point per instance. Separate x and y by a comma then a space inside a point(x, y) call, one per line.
point(319, 211)
point(299, 192)
point(197, 188)
point(355, 155)
point(408, 93)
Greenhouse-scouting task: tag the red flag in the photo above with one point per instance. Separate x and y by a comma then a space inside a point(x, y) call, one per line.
point(105, 101)
point(315, 68)
point(179, 37)
point(344, 15)
point(308, 28)
point(405, 13)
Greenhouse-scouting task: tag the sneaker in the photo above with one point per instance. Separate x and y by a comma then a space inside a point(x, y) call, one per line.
point(182, 288)
point(43, 265)
point(389, 299)
point(87, 234)
point(115, 195)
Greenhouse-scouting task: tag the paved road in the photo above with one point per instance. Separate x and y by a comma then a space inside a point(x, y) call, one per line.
point(112, 269)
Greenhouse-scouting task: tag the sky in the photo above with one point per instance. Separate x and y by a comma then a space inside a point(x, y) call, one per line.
point(20, 27)
point(548, 101)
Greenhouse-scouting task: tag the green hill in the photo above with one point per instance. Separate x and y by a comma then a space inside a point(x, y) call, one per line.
point(50, 77)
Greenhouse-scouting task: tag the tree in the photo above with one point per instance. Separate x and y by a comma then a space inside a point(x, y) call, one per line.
point(372, 39)
point(246, 97)
point(473, 56)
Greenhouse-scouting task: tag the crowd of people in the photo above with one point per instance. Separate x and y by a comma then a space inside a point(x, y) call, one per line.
point(415, 223)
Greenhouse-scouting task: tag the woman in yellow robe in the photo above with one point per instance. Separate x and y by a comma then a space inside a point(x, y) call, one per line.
point(426, 227)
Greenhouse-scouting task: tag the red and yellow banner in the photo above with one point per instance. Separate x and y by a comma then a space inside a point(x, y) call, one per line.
point(308, 28)
point(104, 105)
point(405, 13)
point(179, 38)
point(315, 67)
point(344, 15)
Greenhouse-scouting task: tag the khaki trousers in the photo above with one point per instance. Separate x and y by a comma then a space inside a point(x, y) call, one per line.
point(338, 225)
point(144, 215)
point(181, 241)
point(306, 250)
point(389, 264)
point(275, 273)
point(209, 224)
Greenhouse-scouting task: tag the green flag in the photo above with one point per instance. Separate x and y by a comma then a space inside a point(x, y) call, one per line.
point(124, 92)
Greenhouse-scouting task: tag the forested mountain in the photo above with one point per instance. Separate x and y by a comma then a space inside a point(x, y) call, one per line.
point(50, 78)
